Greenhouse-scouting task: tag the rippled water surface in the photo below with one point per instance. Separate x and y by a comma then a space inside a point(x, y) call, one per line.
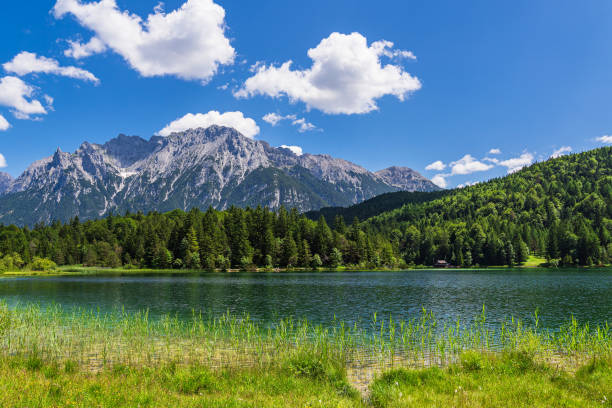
point(347, 296)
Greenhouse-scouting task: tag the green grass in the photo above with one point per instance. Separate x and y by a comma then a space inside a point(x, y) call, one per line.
point(25, 384)
point(534, 262)
point(74, 270)
point(478, 380)
point(54, 357)
point(506, 380)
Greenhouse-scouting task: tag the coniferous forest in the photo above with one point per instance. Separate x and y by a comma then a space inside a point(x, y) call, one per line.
point(560, 209)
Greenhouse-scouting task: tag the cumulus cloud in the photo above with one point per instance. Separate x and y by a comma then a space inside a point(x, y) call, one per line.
point(4, 124)
point(2, 161)
point(467, 184)
point(274, 118)
point(236, 120)
point(303, 125)
point(440, 180)
point(437, 165)
point(346, 77)
point(17, 95)
point(28, 63)
point(517, 163)
point(79, 50)
point(468, 165)
point(605, 139)
point(561, 151)
point(297, 150)
point(189, 42)
point(385, 48)
point(494, 151)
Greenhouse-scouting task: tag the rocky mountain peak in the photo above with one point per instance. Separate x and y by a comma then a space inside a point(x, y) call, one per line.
point(406, 178)
point(5, 181)
point(126, 150)
point(216, 166)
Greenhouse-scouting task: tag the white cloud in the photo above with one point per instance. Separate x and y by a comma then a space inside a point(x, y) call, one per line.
point(440, 180)
point(274, 119)
point(561, 151)
point(386, 48)
point(517, 163)
point(29, 63)
point(79, 50)
point(189, 42)
point(16, 94)
point(468, 165)
point(491, 160)
point(304, 126)
point(467, 184)
point(2, 161)
point(494, 151)
point(48, 100)
point(297, 150)
point(236, 120)
point(4, 124)
point(346, 77)
point(605, 139)
point(437, 165)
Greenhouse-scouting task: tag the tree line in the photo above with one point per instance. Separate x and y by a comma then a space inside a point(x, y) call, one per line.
point(234, 238)
point(560, 209)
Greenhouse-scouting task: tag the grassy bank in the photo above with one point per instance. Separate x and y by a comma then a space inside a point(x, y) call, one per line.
point(54, 357)
point(479, 380)
point(505, 380)
point(77, 270)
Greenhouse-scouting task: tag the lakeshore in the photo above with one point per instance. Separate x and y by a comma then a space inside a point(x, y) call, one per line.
point(87, 358)
point(532, 262)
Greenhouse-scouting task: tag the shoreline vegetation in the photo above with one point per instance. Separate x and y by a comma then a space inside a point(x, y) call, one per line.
point(86, 358)
point(80, 270)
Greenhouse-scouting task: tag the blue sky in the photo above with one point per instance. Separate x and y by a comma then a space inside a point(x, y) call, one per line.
point(526, 77)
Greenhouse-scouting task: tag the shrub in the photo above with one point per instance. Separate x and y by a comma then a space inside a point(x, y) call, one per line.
point(193, 381)
point(42, 264)
point(472, 361)
point(316, 261)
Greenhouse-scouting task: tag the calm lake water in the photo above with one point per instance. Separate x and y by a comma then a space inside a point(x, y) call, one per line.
point(349, 296)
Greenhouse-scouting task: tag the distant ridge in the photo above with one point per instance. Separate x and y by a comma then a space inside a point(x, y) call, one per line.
point(375, 206)
point(406, 179)
point(216, 167)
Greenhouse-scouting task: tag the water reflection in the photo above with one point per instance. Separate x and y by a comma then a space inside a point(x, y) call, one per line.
point(349, 296)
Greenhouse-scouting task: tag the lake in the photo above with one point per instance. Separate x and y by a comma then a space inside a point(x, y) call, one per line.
point(347, 296)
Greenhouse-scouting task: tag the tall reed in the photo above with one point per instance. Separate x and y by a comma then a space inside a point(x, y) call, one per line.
point(97, 339)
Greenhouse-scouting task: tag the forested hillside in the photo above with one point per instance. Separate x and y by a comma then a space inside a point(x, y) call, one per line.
point(560, 208)
point(377, 205)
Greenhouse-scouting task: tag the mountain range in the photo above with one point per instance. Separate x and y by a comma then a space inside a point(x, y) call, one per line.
point(216, 167)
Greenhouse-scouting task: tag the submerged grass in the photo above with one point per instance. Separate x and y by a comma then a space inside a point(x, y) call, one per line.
point(83, 355)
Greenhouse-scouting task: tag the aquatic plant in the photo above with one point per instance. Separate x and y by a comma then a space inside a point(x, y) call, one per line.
point(97, 339)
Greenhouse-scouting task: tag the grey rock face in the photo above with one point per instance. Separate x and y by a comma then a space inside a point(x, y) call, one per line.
point(406, 179)
point(5, 182)
point(215, 167)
